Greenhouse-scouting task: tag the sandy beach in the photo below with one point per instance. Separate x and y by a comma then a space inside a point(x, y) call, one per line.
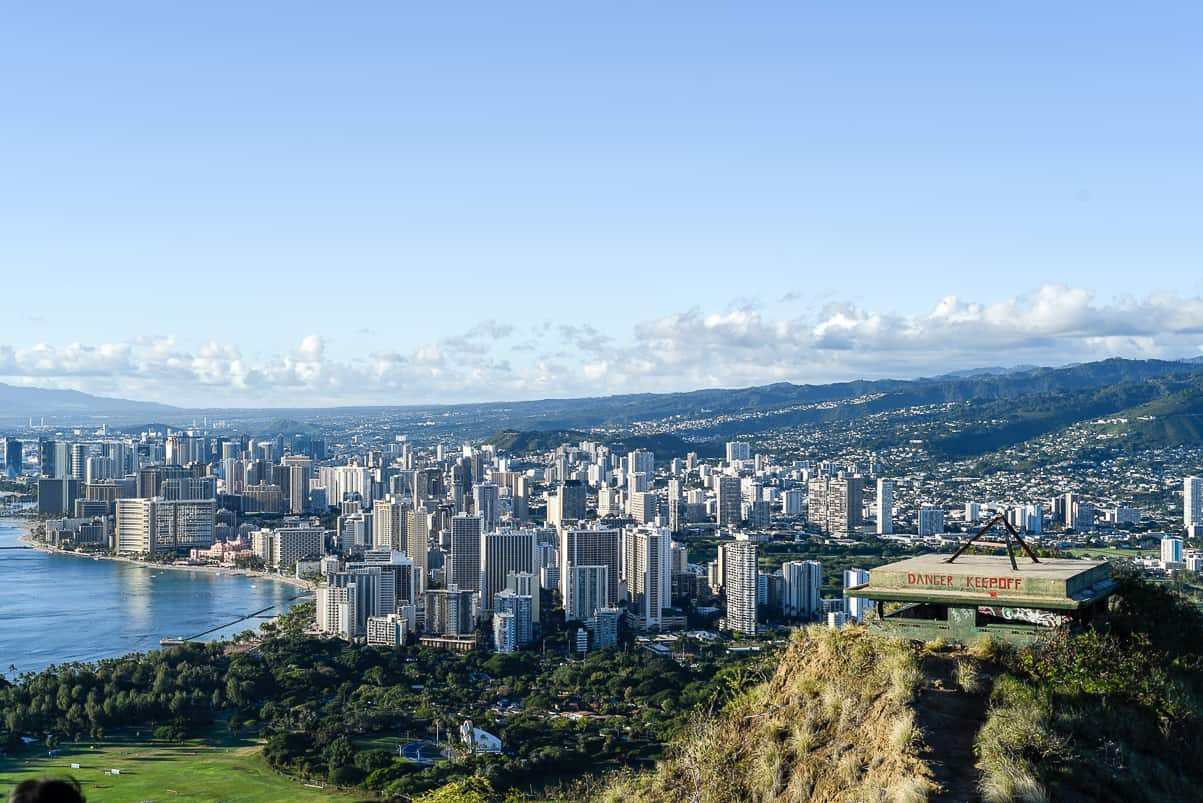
point(295, 582)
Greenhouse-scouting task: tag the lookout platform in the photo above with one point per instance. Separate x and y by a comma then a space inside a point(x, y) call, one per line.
point(928, 597)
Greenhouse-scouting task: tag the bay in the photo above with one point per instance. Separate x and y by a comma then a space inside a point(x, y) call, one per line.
point(60, 608)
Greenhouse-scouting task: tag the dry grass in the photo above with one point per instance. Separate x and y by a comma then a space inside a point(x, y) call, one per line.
point(1014, 741)
point(834, 723)
point(969, 679)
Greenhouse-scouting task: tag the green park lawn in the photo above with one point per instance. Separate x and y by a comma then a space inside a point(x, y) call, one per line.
point(164, 771)
point(1112, 552)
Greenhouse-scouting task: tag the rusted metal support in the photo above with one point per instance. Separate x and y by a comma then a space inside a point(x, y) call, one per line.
point(1011, 532)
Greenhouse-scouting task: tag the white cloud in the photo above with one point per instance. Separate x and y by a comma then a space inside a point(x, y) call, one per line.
point(738, 345)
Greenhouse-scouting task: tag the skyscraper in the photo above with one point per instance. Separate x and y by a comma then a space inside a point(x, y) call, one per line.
point(730, 501)
point(641, 461)
point(12, 458)
point(502, 552)
point(676, 506)
point(647, 570)
point(590, 546)
point(586, 591)
point(738, 451)
point(486, 501)
point(1192, 501)
point(450, 612)
point(1171, 550)
point(463, 569)
point(512, 621)
point(417, 543)
point(161, 525)
point(388, 524)
point(645, 506)
point(931, 521)
point(854, 607)
point(739, 566)
point(803, 583)
point(885, 507)
point(845, 505)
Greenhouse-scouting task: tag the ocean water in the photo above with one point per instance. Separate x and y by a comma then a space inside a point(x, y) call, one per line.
point(60, 608)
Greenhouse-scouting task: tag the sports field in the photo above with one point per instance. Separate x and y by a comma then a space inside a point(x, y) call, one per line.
point(165, 771)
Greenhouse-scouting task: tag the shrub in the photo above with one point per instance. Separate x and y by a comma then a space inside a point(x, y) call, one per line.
point(969, 679)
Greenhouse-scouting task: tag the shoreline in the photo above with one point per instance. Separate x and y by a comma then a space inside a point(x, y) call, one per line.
point(27, 538)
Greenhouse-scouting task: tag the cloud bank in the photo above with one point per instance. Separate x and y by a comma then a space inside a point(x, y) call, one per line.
point(741, 345)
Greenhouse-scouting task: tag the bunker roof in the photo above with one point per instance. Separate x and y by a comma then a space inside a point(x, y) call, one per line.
point(976, 579)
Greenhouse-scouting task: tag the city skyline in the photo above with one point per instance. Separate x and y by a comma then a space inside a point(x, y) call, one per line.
point(537, 203)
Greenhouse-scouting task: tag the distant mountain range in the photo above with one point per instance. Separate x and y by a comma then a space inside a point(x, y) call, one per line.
point(1028, 401)
point(21, 403)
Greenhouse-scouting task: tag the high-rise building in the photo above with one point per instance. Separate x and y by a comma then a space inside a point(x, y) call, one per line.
point(739, 585)
point(738, 451)
point(1069, 506)
point(845, 505)
point(502, 552)
point(389, 524)
point(791, 502)
point(931, 521)
point(1192, 501)
point(590, 546)
point(450, 612)
point(609, 501)
point(56, 496)
point(855, 607)
point(569, 502)
point(285, 546)
point(647, 571)
point(730, 501)
point(605, 627)
point(1171, 550)
point(79, 460)
point(803, 583)
point(390, 630)
point(417, 543)
point(645, 507)
point(161, 525)
point(398, 578)
point(12, 458)
point(486, 502)
point(512, 621)
point(676, 506)
point(641, 461)
point(463, 567)
point(526, 584)
point(586, 591)
point(973, 512)
point(885, 507)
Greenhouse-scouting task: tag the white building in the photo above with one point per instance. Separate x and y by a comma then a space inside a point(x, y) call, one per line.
point(885, 507)
point(803, 581)
point(739, 585)
point(1192, 501)
point(390, 630)
point(854, 606)
point(647, 571)
point(1171, 550)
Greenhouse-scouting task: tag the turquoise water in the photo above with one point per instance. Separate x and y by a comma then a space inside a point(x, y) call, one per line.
point(59, 608)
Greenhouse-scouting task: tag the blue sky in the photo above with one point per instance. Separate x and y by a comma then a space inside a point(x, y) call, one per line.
point(255, 203)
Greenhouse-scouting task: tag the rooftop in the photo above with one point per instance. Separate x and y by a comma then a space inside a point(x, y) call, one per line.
point(972, 579)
